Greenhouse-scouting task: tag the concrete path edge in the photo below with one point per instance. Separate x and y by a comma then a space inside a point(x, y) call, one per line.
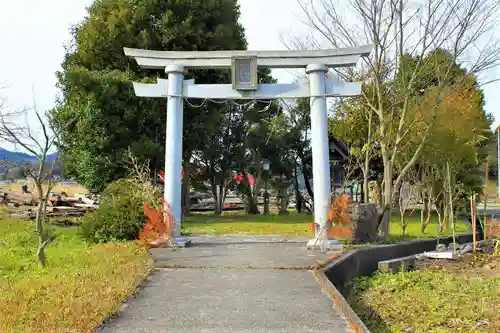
point(340, 302)
point(138, 286)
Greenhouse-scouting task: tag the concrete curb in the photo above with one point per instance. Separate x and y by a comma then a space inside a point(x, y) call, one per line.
point(363, 262)
point(340, 302)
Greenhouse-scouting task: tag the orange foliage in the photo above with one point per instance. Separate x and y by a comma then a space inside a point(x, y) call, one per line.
point(340, 232)
point(339, 211)
point(340, 218)
point(158, 228)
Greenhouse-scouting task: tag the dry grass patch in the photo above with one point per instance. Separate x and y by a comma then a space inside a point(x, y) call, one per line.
point(69, 188)
point(80, 287)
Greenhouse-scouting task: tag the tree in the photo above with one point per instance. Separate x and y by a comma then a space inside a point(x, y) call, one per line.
point(281, 152)
point(218, 155)
point(229, 142)
point(396, 28)
point(256, 147)
point(38, 141)
point(354, 123)
point(96, 82)
point(299, 120)
point(458, 141)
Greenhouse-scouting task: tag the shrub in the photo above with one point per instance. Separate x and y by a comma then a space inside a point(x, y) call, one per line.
point(120, 215)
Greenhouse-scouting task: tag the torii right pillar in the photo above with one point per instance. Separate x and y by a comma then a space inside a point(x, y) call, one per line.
point(320, 145)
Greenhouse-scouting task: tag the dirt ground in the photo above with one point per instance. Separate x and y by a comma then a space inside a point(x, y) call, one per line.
point(470, 265)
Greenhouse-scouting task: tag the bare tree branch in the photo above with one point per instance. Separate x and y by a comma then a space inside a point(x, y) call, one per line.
point(400, 28)
point(22, 135)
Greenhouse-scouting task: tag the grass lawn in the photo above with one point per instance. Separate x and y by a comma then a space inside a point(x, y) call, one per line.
point(81, 285)
point(450, 297)
point(236, 223)
point(293, 224)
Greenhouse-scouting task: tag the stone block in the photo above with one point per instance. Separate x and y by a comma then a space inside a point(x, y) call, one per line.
point(364, 223)
point(331, 245)
point(182, 242)
point(396, 265)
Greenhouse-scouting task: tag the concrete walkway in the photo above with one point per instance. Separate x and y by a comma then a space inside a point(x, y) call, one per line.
point(232, 284)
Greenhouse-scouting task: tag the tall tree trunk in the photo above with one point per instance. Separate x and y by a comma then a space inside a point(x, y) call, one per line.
point(306, 175)
point(222, 195)
point(366, 171)
point(402, 209)
point(283, 209)
point(40, 217)
point(403, 222)
point(298, 197)
point(216, 194)
point(378, 192)
point(305, 172)
point(384, 224)
point(363, 196)
point(442, 214)
point(424, 212)
point(40, 253)
point(252, 207)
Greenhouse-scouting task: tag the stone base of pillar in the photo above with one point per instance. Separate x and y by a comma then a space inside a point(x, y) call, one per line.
point(331, 245)
point(182, 241)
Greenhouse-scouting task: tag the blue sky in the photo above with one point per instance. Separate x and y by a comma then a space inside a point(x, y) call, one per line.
point(34, 32)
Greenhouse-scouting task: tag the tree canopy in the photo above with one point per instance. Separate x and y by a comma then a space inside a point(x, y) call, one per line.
point(446, 124)
point(96, 81)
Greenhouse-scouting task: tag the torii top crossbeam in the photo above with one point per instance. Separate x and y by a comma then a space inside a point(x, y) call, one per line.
point(343, 57)
point(331, 58)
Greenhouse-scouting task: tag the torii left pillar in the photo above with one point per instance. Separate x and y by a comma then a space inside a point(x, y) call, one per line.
point(319, 143)
point(173, 148)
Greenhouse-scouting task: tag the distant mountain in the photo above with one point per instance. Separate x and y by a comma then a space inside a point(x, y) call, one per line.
point(52, 157)
point(17, 157)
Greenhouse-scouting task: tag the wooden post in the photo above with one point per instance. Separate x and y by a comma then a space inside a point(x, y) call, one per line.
point(473, 219)
point(485, 196)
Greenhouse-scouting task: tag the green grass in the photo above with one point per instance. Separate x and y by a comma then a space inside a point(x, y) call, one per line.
point(81, 285)
point(293, 224)
point(241, 224)
point(445, 299)
point(413, 229)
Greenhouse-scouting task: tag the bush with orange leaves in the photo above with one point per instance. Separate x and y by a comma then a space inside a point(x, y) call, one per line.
point(340, 217)
point(339, 213)
point(157, 231)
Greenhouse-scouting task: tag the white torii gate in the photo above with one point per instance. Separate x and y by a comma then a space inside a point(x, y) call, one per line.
point(244, 66)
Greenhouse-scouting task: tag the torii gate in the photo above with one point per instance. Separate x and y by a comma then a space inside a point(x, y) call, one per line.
point(244, 66)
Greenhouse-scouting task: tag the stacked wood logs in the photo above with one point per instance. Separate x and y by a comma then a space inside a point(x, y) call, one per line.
point(58, 205)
